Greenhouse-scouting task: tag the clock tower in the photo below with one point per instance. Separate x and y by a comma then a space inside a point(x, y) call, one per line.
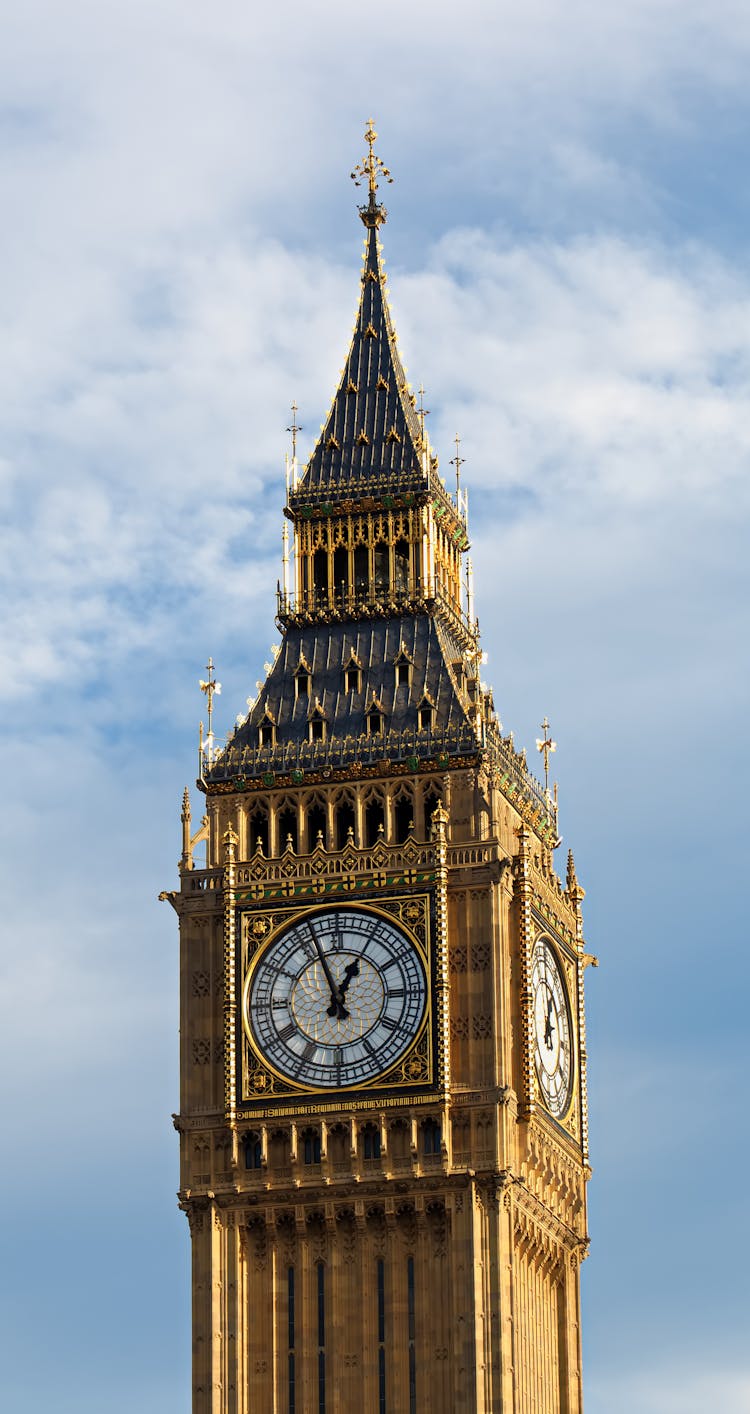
point(383, 1138)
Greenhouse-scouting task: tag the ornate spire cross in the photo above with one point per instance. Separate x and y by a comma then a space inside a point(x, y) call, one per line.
point(546, 745)
point(371, 167)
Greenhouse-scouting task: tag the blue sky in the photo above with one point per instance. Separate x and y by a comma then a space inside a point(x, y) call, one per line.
point(569, 278)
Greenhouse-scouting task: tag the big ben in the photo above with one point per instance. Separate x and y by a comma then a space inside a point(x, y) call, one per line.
point(383, 1129)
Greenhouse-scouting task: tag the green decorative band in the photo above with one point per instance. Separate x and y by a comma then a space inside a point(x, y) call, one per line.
point(269, 778)
point(346, 884)
point(298, 777)
point(239, 782)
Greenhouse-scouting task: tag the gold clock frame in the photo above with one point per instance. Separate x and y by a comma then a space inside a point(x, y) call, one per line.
point(258, 1080)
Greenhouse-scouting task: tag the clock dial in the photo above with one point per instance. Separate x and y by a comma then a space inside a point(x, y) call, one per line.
point(335, 999)
point(552, 1031)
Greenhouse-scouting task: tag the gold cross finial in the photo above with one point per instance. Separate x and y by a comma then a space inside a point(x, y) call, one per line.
point(546, 745)
point(371, 167)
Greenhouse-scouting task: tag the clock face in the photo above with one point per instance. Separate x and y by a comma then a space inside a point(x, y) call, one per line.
point(336, 998)
point(552, 1031)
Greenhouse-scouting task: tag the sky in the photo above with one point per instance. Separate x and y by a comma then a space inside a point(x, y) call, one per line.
point(568, 273)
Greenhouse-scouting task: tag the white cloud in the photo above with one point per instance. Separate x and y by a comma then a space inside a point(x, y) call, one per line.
point(679, 1390)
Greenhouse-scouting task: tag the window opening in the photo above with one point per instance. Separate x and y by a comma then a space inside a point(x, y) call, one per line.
point(372, 1142)
point(425, 719)
point(266, 733)
point(302, 684)
point(402, 674)
point(431, 1136)
point(381, 567)
point(362, 569)
point(341, 571)
point(311, 1148)
point(344, 823)
point(403, 818)
point(317, 729)
point(259, 831)
point(374, 722)
point(287, 829)
point(320, 573)
point(374, 822)
point(401, 567)
point(316, 826)
point(252, 1152)
point(352, 679)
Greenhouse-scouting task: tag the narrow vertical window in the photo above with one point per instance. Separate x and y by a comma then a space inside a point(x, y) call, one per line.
point(381, 1337)
point(290, 1310)
point(412, 1345)
point(321, 1339)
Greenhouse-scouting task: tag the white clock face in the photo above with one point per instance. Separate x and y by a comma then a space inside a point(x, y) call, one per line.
point(552, 1031)
point(336, 999)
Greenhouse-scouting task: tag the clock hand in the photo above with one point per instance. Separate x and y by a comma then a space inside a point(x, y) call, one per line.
point(336, 1008)
point(548, 1027)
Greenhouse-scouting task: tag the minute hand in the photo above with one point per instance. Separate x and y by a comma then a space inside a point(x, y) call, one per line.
point(336, 997)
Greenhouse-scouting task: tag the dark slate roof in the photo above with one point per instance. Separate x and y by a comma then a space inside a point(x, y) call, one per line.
point(372, 435)
point(327, 650)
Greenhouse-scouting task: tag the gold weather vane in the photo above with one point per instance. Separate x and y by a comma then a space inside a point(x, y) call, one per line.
point(211, 688)
point(546, 745)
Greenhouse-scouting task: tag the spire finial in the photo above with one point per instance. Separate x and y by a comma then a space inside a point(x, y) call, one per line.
point(371, 167)
point(210, 688)
point(458, 462)
point(422, 411)
point(546, 745)
point(294, 428)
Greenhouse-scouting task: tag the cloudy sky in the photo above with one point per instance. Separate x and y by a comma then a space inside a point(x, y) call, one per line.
point(569, 277)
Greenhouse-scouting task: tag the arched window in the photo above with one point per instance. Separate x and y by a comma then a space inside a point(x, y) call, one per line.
point(252, 1151)
point(344, 822)
point(258, 830)
point(317, 826)
point(403, 817)
point(381, 568)
point(374, 821)
point(431, 1136)
point(371, 1141)
point(320, 573)
point(341, 571)
point(287, 829)
point(362, 570)
point(311, 1146)
point(401, 567)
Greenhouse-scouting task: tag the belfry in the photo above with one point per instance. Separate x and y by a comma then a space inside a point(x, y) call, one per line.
point(383, 1132)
